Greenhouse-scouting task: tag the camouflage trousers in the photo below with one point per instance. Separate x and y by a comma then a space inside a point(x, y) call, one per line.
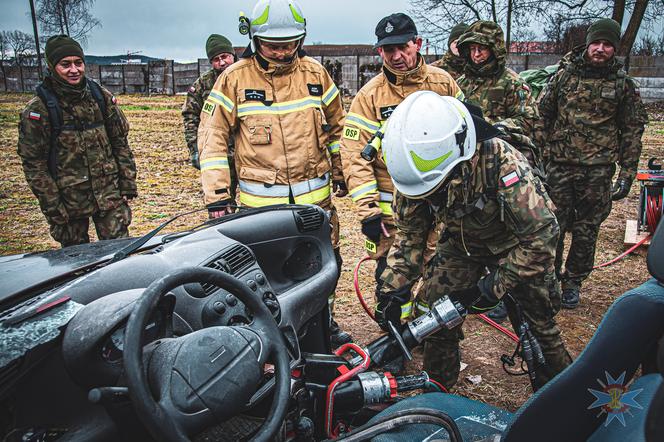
point(450, 270)
point(386, 244)
point(582, 195)
point(109, 224)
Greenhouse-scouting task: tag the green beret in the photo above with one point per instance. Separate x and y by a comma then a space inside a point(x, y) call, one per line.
point(604, 29)
point(218, 44)
point(61, 46)
point(456, 32)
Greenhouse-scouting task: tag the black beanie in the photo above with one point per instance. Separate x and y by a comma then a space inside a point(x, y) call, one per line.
point(61, 46)
point(456, 32)
point(218, 44)
point(604, 29)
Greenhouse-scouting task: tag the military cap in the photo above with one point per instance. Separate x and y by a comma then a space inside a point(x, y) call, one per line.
point(218, 44)
point(61, 46)
point(456, 32)
point(604, 29)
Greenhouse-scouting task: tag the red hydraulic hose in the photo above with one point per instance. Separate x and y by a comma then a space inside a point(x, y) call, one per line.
point(653, 217)
point(329, 399)
point(499, 327)
point(356, 283)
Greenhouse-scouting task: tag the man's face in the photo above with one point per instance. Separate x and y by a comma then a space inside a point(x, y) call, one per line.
point(222, 61)
point(600, 52)
point(71, 69)
point(479, 53)
point(280, 51)
point(401, 57)
point(453, 47)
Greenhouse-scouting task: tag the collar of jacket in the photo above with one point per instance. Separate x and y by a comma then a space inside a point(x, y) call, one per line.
point(589, 70)
point(491, 68)
point(65, 90)
point(414, 76)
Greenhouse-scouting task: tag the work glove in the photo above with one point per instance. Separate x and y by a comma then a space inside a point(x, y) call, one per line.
point(372, 228)
point(339, 188)
point(193, 157)
point(478, 298)
point(387, 310)
point(621, 188)
point(219, 208)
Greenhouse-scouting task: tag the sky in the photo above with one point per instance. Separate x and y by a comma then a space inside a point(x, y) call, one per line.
point(177, 29)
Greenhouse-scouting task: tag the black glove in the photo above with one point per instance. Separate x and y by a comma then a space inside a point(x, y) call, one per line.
point(339, 188)
point(193, 157)
point(621, 188)
point(387, 310)
point(371, 228)
point(478, 298)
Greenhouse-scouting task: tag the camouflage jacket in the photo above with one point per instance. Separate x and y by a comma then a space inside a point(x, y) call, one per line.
point(452, 64)
point(95, 166)
point(495, 207)
point(498, 90)
point(191, 109)
point(593, 116)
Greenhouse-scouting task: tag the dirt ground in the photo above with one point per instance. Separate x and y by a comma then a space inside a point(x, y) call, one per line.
point(167, 185)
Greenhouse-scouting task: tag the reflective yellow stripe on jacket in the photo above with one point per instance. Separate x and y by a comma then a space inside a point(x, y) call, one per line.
point(363, 190)
point(306, 192)
point(214, 163)
point(361, 122)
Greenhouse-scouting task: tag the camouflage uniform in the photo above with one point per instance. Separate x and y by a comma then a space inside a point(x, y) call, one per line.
point(503, 96)
point(453, 64)
point(95, 166)
point(593, 118)
point(498, 216)
point(191, 114)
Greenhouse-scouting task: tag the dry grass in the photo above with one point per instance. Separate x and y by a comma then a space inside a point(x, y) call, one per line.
point(167, 185)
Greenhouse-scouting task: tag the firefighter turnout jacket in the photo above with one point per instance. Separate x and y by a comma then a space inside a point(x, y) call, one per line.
point(287, 120)
point(369, 183)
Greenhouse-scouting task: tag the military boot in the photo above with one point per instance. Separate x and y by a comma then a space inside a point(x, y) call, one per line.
point(499, 312)
point(570, 298)
point(338, 337)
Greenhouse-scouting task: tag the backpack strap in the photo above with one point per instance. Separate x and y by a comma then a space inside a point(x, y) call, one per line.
point(55, 120)
point(621, 76)
point(490, 169)
point(98, 95)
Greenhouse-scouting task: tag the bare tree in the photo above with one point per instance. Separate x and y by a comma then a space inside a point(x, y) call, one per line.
point(23, 47)
point(4, 55)
point(69, 17)
point(437, 17)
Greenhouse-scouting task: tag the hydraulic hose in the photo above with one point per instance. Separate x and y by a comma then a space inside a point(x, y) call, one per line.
point(653, 217)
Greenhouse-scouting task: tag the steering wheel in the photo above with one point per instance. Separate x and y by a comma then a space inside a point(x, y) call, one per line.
point(195, 381)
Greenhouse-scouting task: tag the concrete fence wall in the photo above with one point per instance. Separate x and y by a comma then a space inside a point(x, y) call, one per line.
point(350, 73)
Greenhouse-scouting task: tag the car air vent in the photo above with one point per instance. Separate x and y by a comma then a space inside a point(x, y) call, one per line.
point(309, 220)
point(232, 261)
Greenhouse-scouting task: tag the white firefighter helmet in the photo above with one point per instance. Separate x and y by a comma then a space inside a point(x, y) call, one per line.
point(277, 20)
point(425, 137)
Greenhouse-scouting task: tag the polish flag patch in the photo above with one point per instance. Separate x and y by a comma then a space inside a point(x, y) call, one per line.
point(510, 179)
point(192, 89)
point(34, 116)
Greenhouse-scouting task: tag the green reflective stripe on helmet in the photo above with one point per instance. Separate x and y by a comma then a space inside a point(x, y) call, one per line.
point(428, 165)
point(263, 18)
point(298, 18)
